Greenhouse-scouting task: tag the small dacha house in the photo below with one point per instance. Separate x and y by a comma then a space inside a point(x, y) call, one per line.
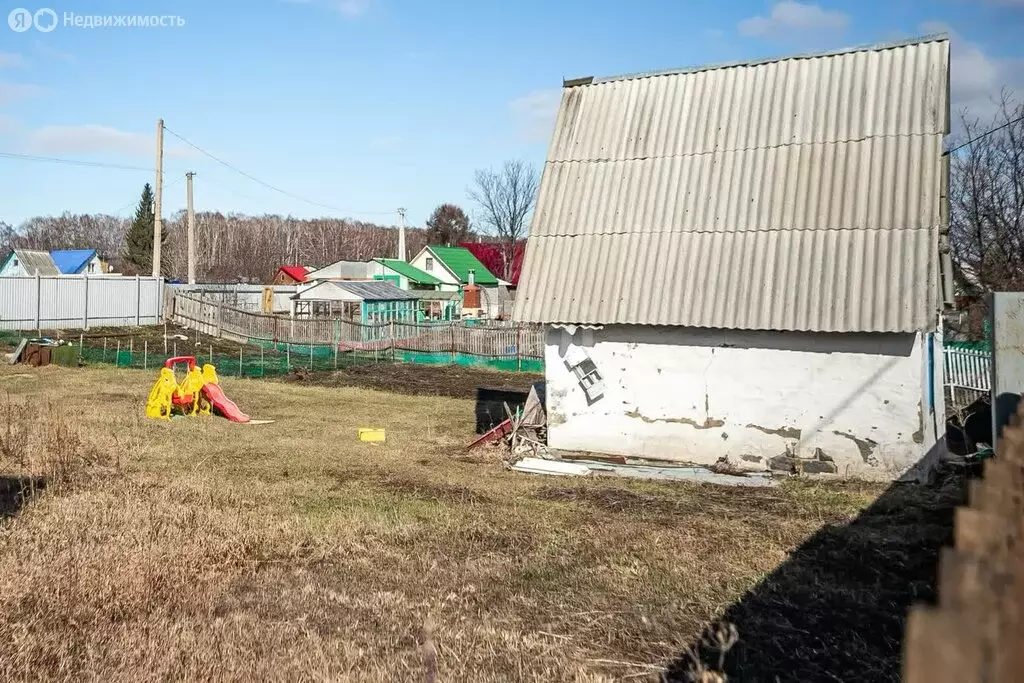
point(742, 262)
point(291, 275)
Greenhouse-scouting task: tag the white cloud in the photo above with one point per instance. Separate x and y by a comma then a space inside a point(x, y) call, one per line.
point(7, 125)
point(534, 114)
point(11, 59)
point(95, 138)
point(12, 92)
point(975, 77)
point(790, 17)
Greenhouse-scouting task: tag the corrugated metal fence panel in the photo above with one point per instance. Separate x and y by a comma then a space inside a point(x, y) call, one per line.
point(795, 194)
point(70, 301)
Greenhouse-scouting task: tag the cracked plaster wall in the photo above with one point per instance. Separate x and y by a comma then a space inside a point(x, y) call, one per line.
point(854, 404)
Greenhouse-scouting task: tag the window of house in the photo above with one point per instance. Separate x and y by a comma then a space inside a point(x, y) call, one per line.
point(15, 262)
point(92, 267)
point(430, 264)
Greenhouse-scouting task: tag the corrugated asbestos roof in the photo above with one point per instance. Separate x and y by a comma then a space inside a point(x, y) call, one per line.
point(36, 262)
point(791, 194)
point(375, 290)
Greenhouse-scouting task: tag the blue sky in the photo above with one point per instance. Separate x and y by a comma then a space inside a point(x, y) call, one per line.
point(367, 105)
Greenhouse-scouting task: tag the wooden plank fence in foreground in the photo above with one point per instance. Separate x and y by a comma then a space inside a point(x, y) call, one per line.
point(976, 631)
point(490, 341)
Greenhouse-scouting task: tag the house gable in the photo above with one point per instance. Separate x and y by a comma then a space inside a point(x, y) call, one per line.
point(801, 193)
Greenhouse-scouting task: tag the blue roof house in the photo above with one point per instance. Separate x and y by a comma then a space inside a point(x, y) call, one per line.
point(77, 262)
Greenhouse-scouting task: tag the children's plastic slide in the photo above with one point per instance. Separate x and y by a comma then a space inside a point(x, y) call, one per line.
point(222, 404)
point(168, 397)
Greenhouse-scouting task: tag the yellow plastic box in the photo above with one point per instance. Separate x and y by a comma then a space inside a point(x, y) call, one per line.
point(368, 434)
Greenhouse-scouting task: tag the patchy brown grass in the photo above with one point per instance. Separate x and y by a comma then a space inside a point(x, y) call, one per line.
point(201, 549)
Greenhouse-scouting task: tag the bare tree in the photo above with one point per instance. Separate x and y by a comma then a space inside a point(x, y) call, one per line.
point(506, 199)
point(986, 226)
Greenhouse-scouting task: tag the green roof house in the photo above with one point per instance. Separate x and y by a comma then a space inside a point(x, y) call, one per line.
point(402, 275)
point(453, 267)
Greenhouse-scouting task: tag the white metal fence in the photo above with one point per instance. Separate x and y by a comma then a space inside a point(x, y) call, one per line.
point(79, 301)
point(968, 373)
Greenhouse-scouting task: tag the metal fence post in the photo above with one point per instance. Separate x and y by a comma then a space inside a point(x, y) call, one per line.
point(81, 341)
point(239, 361)
point(131, 349)
point(391, 331)
point(138, 300)
point(85, 301)
point(452, 329)
point(39, 303)
point(220, 314)
point(117, 355)
point(211, 354)
point(519, 350)
point(145, 354)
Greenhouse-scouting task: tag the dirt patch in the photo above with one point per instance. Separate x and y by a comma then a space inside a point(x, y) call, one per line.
point(420, 380)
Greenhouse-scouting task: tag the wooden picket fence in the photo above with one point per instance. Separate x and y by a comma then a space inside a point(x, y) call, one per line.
point(490, 341)
point(976, 632)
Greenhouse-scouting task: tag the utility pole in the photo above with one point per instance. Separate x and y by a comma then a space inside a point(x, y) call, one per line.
point(401, 234)
point(191, 230)
point(158, 222)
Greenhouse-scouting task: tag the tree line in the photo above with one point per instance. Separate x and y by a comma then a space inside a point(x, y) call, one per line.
point(237, 247)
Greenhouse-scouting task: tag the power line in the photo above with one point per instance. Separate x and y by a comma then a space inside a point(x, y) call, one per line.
point(72, 162)
point(273, 187)
point(135, 202)
point(988, 132)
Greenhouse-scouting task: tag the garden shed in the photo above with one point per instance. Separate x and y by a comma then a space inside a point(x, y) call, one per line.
point(364, 302)
point(786, 215)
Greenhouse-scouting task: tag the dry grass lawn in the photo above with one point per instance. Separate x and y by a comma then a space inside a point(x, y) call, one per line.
point(198, 549)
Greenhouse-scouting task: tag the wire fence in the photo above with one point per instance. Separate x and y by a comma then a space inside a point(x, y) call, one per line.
point(247, 362)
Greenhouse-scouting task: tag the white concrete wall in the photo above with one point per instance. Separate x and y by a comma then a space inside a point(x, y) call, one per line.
point(859, 402)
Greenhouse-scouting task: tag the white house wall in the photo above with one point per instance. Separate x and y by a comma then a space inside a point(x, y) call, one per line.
point(858, 401)
point(448, 281)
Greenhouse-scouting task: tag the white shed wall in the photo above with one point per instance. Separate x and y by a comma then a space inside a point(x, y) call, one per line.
point(860, 401)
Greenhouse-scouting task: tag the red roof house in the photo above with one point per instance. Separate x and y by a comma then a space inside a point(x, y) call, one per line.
point(290, 275)
point(492, 255)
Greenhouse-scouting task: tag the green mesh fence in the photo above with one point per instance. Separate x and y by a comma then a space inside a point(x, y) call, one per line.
point(269, 359)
